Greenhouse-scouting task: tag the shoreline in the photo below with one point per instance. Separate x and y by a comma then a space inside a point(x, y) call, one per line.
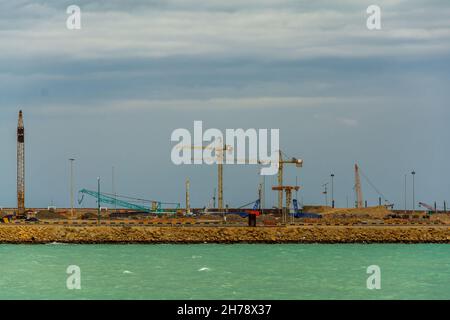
point(42, 234)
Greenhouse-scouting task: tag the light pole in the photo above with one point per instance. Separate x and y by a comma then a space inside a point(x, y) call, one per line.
point(71, 187)
point(414, 192)
point(332, 190)
point(98, 199)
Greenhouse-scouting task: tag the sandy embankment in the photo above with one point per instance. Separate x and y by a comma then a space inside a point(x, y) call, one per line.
point(304, 234)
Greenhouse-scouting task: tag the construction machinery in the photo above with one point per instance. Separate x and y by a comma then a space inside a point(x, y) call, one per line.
point(220, 158)
point(142, 205)
point(430, 209)
point(300, 214)
point(288, 190)
point(358, 191)
point(250, 213)
point(298, 163)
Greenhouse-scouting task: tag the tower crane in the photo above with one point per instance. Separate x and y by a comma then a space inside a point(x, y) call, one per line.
point(219, 152)
point(298, 163)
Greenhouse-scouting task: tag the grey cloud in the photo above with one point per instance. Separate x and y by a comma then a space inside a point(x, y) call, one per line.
point(139, 69)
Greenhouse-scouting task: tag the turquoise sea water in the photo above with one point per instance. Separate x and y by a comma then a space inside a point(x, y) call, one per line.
point(209, 271)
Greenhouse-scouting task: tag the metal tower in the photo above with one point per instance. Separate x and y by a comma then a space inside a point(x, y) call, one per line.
point(20, 166)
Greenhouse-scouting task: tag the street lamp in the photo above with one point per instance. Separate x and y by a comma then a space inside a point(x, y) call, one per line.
point(414, 192)
point(332, 190)
point(71, 187)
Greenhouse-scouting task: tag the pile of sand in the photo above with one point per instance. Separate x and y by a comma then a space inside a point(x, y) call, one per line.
point(46, 214)
point(316, 209)
point(373, 212)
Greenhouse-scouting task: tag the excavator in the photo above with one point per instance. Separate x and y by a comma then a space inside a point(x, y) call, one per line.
point(430, 209)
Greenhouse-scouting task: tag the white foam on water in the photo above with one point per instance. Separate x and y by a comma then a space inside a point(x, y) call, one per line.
point(204, 269)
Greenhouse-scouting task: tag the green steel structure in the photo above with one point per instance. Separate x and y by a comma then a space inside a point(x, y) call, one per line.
point(143, 205)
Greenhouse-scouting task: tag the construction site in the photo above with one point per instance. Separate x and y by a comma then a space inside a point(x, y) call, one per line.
point(118, 218)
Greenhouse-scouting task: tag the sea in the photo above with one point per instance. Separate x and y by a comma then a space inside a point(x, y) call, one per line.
point(215, 271)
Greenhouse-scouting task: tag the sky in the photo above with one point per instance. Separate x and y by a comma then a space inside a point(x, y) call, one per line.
point(110, 95)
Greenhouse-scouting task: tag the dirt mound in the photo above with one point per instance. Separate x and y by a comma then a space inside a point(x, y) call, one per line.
point(89, 216)
point(46, 214)
point(375, 212)
point(316, 209)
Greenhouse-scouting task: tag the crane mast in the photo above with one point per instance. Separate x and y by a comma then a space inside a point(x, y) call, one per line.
point(20, 166)
point(281, 162)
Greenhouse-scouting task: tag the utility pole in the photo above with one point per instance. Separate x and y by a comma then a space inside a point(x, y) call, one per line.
point(113, 182)
point(332, 190)
point(71, 187)
point(98, 200)
point(414, 192)
point(20, 166)
point(188, 197)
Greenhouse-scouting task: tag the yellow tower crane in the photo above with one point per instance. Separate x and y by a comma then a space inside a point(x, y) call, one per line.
point(220, 157)
point(298, 163)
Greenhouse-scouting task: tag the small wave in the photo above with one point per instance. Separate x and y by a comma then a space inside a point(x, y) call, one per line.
point(127, 272)
point(196, 257)
point(204, 269)
point(54, 243)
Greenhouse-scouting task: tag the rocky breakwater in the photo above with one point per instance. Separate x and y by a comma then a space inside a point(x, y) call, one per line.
point(292, 234)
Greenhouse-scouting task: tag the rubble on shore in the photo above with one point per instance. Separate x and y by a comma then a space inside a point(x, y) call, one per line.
point(189, 234)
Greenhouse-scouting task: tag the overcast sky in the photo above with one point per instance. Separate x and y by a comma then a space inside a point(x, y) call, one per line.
point(111, 94)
